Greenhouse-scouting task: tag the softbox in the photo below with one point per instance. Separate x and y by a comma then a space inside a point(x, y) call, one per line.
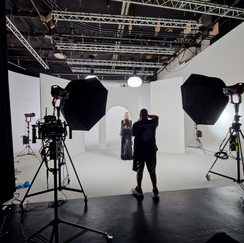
point(86, 104)
point(203, 98)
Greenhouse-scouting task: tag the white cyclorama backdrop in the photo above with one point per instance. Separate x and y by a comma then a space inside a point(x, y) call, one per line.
point(126, 97)
point(166, 103)
point(24, 98)
point(222, 60)
point(113, 125)
point(106, 131)
point(75, 145)
point(120, 100)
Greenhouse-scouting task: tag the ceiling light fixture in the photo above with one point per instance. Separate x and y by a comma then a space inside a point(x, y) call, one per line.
point(91, 75)
point(134, 81)
point(59, 55)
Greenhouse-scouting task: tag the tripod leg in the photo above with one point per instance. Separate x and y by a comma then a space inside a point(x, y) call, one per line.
point(85, 200)
point(210, 170)
point(239, 159)
point(241, 152)
point(32, 151)
point(207, 175)
point(20, 153)
point(38, 232)
point(86, 229)
point(55, 178)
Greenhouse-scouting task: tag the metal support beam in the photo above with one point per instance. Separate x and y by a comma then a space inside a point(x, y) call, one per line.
point(21, 38)
point(123, 20)
point(115, 49)
point(112, 71)
point(113, 63)
point(192, 6)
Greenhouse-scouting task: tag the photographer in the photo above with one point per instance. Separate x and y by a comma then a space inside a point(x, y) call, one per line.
point(145, 150)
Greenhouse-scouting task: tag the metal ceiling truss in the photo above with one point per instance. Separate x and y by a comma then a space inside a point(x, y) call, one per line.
point(114, 49)
point(192, 6)
point(123, 20)
point(112, 71)
point(21, 38)
point(170, 38)
point(113, 63)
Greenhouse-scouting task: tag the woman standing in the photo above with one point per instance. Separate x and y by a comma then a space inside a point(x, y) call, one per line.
point(125, 135)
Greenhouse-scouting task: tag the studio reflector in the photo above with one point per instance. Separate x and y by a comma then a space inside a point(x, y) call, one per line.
point(86, 104)
point(203, 98)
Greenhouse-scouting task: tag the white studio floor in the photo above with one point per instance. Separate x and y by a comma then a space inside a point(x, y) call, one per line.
point(103, 173)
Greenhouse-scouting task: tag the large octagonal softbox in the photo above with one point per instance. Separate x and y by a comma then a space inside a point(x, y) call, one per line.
point(86, 104)
point(203, 98)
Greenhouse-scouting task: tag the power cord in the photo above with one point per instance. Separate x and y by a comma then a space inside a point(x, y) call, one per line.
point(221, 155)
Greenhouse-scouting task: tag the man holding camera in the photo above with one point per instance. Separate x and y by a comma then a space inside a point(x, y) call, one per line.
point(145, 150)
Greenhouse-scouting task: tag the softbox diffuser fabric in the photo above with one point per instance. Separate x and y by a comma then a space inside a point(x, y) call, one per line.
point(86, 104)
point(203, 98)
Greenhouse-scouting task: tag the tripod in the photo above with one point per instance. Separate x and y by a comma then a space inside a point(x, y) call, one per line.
point(235, 135)
point(59, 145)
point(54, 131)
point(198, 134)
point(26, 140)
point(55, 146)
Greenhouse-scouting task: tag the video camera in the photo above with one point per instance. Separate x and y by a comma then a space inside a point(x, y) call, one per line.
point(52, 127)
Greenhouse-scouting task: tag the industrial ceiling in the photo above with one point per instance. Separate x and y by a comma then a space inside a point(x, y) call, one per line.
point(113, 39)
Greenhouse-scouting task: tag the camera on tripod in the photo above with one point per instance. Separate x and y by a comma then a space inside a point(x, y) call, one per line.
point(52, 127)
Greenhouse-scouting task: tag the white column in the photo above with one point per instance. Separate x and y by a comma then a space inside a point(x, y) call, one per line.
point(102, 133)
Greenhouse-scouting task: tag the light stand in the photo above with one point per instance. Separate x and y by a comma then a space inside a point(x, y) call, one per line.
point(54, 132)
point(198, 134)
point(235, 135)
point(26, 139)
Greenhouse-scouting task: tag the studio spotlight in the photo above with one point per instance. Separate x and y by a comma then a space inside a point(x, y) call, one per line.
point(134, 81)
point(203, 98)
point(59, 55)
point(30, 114)
point(86, 104)
point(91, 76)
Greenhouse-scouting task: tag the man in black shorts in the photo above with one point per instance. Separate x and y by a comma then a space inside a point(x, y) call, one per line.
point(145, 150)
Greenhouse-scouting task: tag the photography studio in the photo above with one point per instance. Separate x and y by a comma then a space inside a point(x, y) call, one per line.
point(122, 121)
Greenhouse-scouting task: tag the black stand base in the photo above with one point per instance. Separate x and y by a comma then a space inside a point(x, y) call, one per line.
point(54, 237)
point(235, 135)
point(54, 149)
point(27, 151)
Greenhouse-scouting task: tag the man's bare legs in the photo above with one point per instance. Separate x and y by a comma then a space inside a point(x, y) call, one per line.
point(139, 177)
point(153, 177)
point(154, 180)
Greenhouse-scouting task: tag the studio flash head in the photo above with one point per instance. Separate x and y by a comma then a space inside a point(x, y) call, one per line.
point(59, 93)
point(30, 114)
point(234, 89)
